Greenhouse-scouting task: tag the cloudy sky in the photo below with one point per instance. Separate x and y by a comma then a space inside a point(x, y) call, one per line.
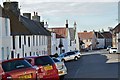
point(88, 14)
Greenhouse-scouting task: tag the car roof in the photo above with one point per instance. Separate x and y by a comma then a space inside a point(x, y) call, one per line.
point(34, 56)
point(9, 60)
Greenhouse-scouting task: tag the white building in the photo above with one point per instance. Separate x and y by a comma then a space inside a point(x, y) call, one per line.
point(26, 37)
point(63, 39)
point(5, 38)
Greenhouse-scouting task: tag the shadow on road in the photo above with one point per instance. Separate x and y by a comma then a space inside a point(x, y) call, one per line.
point(92, 67)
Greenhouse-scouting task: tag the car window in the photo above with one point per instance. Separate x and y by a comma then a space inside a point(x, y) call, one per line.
point(44, 60)
point(113, 48)
point(71, 53)
point(15, 64)
point(56, 60)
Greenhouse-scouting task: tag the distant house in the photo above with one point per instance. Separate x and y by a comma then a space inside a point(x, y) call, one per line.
point(89, 39)
point(5, 38)
point(116, 37)
point(108, 38)
point(29, 37)
point(66, 38)
point(100, 40)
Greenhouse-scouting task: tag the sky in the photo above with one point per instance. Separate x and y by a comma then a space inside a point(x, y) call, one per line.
point(88, 14)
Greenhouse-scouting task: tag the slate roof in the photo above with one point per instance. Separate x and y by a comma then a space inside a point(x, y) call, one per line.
point(20, 25)
point(99, 35)
point(85, 35)
point(72, 34)
point(107, 35)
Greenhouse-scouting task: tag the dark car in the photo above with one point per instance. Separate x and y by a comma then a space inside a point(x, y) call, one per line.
point(46, 67)
point(16, 69)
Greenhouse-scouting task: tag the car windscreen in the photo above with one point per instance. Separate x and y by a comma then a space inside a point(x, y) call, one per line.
point(44, 60)
point(14, 65)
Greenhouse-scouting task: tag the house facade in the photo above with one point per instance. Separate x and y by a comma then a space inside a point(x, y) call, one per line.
point(89, 39)
point(116, 37)
point(28, 37)
point(108, 38)
point(5, 38)
point(100, 40)
point(65, 38)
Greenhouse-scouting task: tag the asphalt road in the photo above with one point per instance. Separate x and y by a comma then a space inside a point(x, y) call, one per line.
point(94, 65)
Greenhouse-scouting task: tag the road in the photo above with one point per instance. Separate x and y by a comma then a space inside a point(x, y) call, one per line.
point(94, 65)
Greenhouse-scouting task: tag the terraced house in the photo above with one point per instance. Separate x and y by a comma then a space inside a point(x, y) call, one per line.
point(5, 38)
point(28, 36)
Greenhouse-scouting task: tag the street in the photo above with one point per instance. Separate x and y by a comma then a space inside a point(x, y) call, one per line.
point(94, 65)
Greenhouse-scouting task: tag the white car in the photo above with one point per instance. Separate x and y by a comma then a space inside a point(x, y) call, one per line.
point(62, 70)
point(69, 56)
point(113, 50)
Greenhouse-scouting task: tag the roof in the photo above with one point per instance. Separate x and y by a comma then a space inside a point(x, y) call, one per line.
point(72, 33)
point(85, 35)
point(117, 29)
point(99, 35)
point(20, 25)
point(107, 34)
point(59, 31)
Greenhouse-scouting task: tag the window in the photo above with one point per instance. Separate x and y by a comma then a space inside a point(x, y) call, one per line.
point(30, 54)
point(25, 54)
point(13, 42)
point(14, 65)
point(12, 54)
point(33, 40)
point(39, 41)
point(19, 41)
point(28, 41)
point(2, 52)
point(70, 43)
point(36, 40)
point(24, 39)
point(18, 55)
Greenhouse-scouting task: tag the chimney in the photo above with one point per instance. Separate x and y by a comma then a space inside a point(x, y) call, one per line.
point(36, 17)
point(75, 24)
point(13, 6)
point(27, 15)
point(46, 25)
point(66, 24)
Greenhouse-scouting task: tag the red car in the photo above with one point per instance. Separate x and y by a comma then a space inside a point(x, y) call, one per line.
point(46, 67)
point(17, 69)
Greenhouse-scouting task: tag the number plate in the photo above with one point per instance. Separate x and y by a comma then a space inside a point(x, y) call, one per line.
point(27, 76)
point(60, 72)
point(48, 68)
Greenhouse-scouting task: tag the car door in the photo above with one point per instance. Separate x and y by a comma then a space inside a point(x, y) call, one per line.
point(72, 55)
point(66, 56)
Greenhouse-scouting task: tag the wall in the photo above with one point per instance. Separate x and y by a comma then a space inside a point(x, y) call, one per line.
point(101, 43)
point(5, 38)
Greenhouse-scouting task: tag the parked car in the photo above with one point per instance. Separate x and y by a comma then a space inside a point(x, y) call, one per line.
point(108, 48)
point(46, 67)
point(62, 70)
point(17, 69)
point(68, 56)
point(113, 50)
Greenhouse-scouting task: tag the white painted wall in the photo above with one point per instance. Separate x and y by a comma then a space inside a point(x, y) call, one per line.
point(5, 38)
point(39, 47)
point(118, 43)
point(54, 44)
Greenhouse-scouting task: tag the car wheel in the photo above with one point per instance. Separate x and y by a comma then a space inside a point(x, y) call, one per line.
point(76, 58)
point(62, 77)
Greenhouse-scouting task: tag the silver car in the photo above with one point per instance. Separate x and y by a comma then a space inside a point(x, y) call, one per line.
point(62, 70)
point(72, 55)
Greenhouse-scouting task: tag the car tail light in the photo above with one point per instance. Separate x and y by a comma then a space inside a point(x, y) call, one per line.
point(40, 70)
point(6, 77)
